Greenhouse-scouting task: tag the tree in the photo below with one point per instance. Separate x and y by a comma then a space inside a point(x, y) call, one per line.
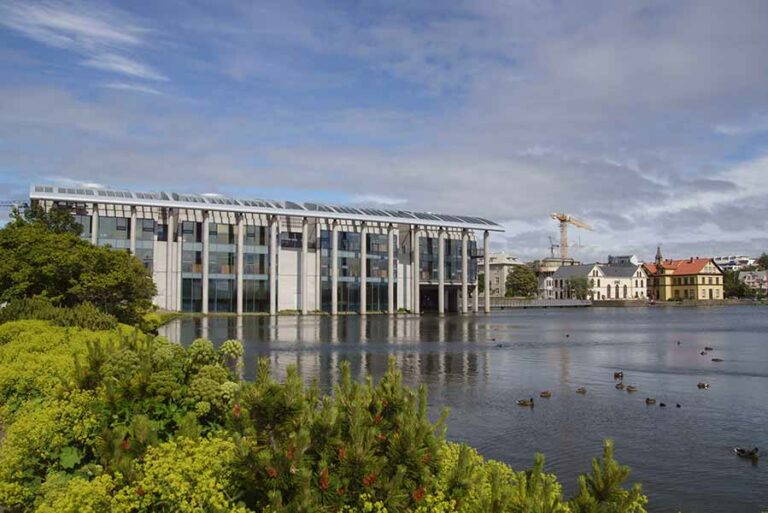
point(45, 258)
point(579, 288)
point(734, 287)
point(762, 262)
point(522, 282)
point(57, 219)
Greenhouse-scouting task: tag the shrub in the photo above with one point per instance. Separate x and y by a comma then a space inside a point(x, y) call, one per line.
point(83, 315)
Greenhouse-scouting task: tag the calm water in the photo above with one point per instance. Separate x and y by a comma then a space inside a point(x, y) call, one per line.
point(480, 365)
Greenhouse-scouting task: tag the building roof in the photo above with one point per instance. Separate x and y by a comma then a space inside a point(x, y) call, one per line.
point(681, 267)
point(573, 271)
point(755, 274)
point(619, 271)
point(89, 194)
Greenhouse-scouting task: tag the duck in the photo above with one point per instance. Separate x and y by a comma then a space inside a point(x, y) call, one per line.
point(703, 353)
point(620, 386)
point(707, 348)
point(753, 453)
point(678, 405)
point(678, 342)
point(717, 359)
point(662, 405)
point(567, 335)
point(546, 394)
point(702, 385)
point(618, 375)
point(525, 402)
point(649, 400)
point(631, 389)
point(581, 390)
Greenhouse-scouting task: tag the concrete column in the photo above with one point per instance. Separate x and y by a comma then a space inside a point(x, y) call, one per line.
point(390, 269)
point(132, 232)
point(441, 272)
point(416, 270)
point(363, 269)
point(95, 224)
point(335, 268)
point(239, 263)
point(464, 274)
point(177, 257)
point(476, 294)
point(487, 270)
point(273, 265)
point(206, 259)
point(303, 266)
point(169, 275)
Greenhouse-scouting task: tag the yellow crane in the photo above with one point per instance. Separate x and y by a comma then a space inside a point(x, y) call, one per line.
point(564, 220)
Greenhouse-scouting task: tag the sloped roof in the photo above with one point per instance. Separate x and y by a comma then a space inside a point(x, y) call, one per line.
point(619, 271)
point(681, 267)
point(573, 271)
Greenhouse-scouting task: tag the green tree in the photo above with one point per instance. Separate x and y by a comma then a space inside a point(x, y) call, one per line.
point(734, 287)
point(579, 288)
point(57, 219)
point(49, 260)
point(762, 262)
point(522, 282)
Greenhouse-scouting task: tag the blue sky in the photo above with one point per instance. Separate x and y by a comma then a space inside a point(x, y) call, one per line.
point(649, 120)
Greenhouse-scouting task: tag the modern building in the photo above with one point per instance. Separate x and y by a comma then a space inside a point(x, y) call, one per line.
point(545, 270)
point(734, 262)
point(501, 265)
point(211, 253)
point(696, 279)
point(625, 282)
point(755, 280)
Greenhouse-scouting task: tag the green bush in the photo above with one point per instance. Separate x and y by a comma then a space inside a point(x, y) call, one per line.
point(84, 315)
point(121, 421)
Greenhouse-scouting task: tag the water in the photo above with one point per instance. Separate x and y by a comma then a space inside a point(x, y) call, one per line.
point(480, 365)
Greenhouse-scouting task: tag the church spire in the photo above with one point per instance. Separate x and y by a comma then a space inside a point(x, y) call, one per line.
point(659, 258)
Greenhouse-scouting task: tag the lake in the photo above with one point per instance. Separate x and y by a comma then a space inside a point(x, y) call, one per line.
point(480, 365)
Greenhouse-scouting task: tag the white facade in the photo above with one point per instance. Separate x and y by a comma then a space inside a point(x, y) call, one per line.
point(605, 282)
point(734, 262)
point(501, 265)
point(756, 280)
point(209, 253)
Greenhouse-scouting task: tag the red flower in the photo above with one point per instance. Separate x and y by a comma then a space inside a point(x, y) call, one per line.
point(384, 403)
point(342, 453)
point(418, 494)
point(381, 437)
point(324, 479)
point(426, 458)
point(370, 479)
point(272, 472)
point(378, 418)
point(126, 445)
point(291, 453)
point(236, 410)
point(341, 491)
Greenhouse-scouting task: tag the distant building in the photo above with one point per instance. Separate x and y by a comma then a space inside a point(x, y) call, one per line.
point(623, 260)
point(606, 282)
point(755, 280)
point(698, 279)
point(734, 263)
point(544, 272)
point(501, 265)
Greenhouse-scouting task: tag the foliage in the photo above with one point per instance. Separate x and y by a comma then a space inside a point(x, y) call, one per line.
point(762, 262)
point(58, 219)
point(522, 282)
point(734, 287)
point(125, 422)
point(579, 288)
point(84, 315)
point(59, 266)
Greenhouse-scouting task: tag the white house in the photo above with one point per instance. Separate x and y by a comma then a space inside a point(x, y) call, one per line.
point(606, 282)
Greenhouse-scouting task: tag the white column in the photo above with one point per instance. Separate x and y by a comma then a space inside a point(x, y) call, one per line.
point(476, 294)
point(95, 224)
point(132, 232)
point(464, 274)
point(363, 269)
point(206, 260)
point(273, 265)
point(177, 257)
point(303, 266)
point(390, 269)
point(441, 272)
point(239, 263)
point(487, 271)
point(335, 268)
point(416, 271)
point(169, 289)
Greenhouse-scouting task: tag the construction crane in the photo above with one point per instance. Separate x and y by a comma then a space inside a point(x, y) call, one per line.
point(552, 247)
point(564, 220)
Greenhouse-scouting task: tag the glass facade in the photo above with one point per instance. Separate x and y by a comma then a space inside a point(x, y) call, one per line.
point(191, 236)
point(85, 222)
point(255, 269)
point(222, 268)
point(114, 232)
point(145, 242)
point(376, 280)
point(349, 271)
point(429, 259)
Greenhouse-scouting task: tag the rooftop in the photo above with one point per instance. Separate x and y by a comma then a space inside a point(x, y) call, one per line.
point(86, 194)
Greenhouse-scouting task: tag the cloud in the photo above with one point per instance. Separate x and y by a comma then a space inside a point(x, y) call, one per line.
point(377, 200)
point(122, 86)
point(96, 31)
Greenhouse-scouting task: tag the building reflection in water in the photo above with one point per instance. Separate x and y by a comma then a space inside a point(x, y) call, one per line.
point(433, 350)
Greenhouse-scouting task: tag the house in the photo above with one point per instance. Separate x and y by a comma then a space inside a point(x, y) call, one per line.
point(500, 265)
point(697, 279)
point(755, 280)
point(734, 262)
point(544, 272)
point(605, 282)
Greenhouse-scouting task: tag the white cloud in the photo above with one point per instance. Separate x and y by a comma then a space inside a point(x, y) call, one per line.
point(138, 88)
point(123, 65)
point(378, 200)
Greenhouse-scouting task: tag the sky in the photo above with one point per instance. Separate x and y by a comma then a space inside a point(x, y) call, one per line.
point(648, 119)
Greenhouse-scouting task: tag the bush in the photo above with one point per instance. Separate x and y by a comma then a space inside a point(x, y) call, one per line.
point(84, 315)
point(134, 423)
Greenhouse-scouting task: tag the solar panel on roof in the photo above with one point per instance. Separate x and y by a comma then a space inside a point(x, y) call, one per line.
point(293, 205)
